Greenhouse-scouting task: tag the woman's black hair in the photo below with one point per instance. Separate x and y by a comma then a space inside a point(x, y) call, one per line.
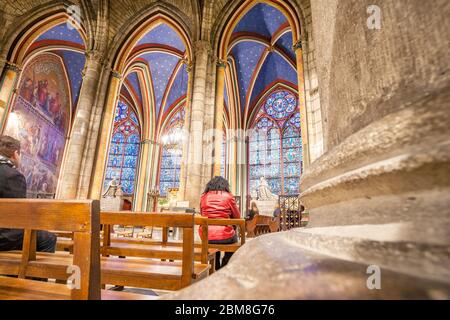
point(217, 184)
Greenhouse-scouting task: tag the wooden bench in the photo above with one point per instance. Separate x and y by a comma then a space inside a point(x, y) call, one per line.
point(177, 274)
point(262, 224)
point(79, 217)
point(151, 248)
point(144, 273)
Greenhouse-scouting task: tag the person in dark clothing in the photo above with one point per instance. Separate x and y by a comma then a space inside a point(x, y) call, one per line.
point(13, 185)
point(253, 211)
point(277, 211)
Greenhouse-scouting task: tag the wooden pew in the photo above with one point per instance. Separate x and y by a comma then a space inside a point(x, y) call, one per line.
point(168, 278)
point(144, 273)
point(262, 224)
point(79, 217)
point(150, 248)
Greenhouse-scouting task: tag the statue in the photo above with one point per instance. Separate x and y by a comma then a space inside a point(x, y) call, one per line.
point(113, 189)
point(263, 191)
point(112, 198)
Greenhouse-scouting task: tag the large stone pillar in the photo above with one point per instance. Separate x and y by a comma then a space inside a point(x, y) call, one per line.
point(96, 186)
point(8, 84)
point(218, 116)
point(301, 102)
point(71, 172)
point(93, 134)
point(195, 154)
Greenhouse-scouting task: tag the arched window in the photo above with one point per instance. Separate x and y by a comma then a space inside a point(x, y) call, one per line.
point(275, 144)
point(172, 150)
point(124, 149)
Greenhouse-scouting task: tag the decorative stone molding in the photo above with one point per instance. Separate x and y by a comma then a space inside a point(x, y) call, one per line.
point(13, 67)
point(189, 65)
point(221, 63)
point(116, 74)
point(390, 136)
point(298, 45)
point(94, 55)
point(202, 46)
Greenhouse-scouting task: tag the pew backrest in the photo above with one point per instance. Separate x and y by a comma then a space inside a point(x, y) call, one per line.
point(163, 220)
point(80, 217)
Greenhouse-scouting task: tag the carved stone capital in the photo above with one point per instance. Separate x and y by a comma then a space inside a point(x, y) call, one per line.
point(95, 55)
point(202, 46)
point(13, 67)
point(221, 63)
point(116, 74)
point(188, 63)
point(298, 45)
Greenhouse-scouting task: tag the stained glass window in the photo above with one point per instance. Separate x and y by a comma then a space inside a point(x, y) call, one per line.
point(124, 149)
point(275, 150)
point(172, 151)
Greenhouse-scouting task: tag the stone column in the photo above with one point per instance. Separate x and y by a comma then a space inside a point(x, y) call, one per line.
point(93, 134)
point(8, 84)
point(141, 185)
point(195, 155)
point(298, 48)
point(218, 116)
point(232, 173)
point(156, 156)
point(71, 172)
point(105, 137)
point(186, 129)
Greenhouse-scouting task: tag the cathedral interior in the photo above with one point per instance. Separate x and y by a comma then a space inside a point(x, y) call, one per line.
point(341, 107)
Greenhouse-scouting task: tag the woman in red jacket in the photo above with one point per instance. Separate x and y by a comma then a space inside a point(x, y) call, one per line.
point(218, 203)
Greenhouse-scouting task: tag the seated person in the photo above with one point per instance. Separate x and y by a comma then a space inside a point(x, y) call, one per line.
point(277, 211)
point(218, 203)
point(13, 185)
point(253, 211)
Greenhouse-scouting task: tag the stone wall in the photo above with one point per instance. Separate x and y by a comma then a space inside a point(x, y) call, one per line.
point(385, 98)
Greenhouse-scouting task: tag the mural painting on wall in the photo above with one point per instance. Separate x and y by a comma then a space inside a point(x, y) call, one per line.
point(39, 121)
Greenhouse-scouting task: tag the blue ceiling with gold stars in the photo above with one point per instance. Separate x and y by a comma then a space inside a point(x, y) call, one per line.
point(165, 35)
point(262, 19)
point(133, 79)
point(62, 32)
point(74, 63)
point(162, 66)
point(164, 49)
point(178, 88)
point(256, 39)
